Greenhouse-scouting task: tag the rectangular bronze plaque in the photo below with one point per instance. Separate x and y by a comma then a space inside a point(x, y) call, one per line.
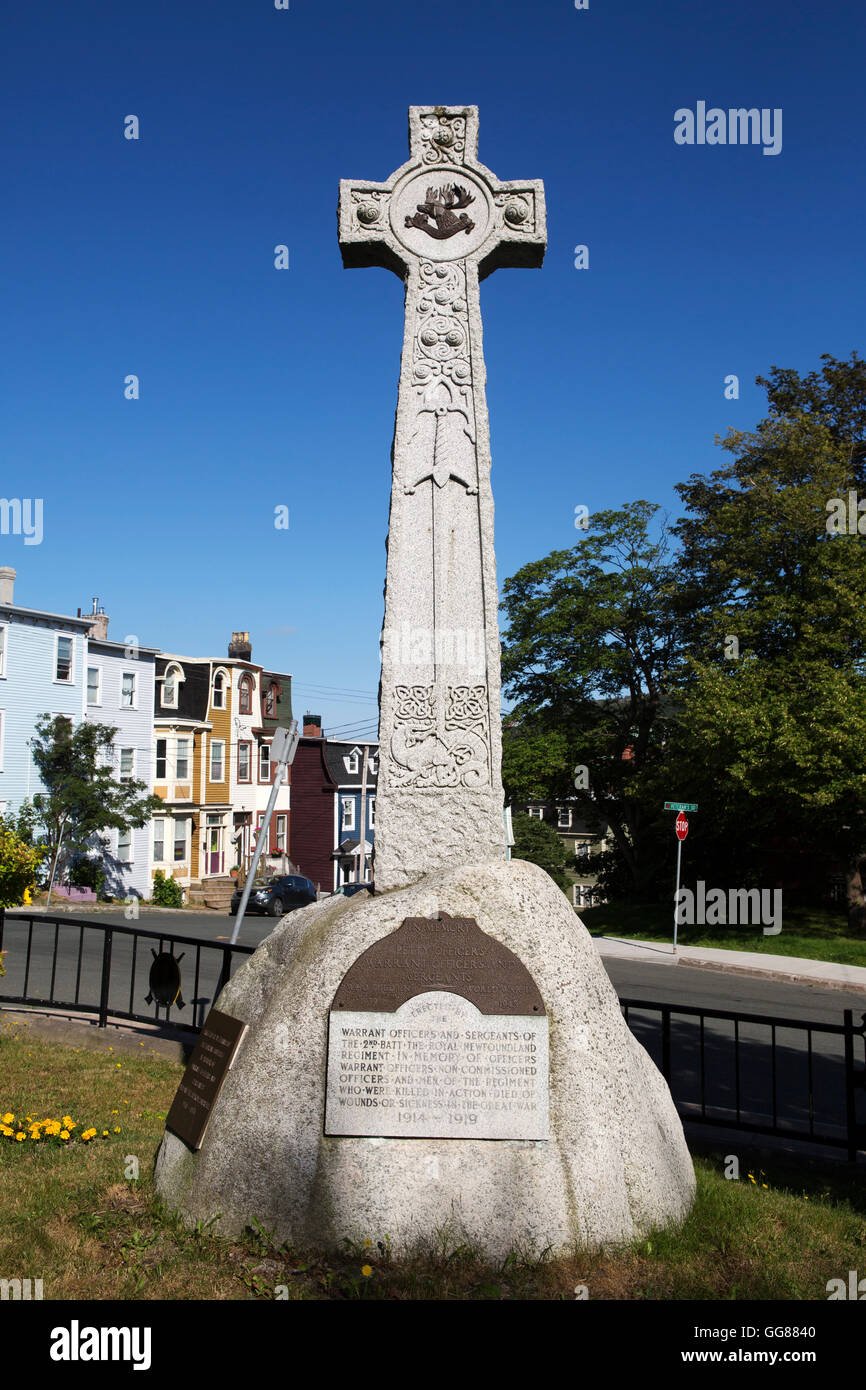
point(206, 1070)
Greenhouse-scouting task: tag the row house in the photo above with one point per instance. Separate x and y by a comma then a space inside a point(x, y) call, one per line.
point(214, 719)
point(54, 664)
point(329, 821)
point(584, 837)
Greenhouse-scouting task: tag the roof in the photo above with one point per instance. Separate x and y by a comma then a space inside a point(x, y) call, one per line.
point(336, 752)
point(14, 608)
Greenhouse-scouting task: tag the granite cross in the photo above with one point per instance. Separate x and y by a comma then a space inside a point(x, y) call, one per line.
point(442, 222)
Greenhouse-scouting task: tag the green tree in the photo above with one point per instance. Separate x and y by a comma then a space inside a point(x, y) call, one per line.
point(538, 843)
point(592, 644)
point(83, 796)
point(774, 706)
point(19, 864)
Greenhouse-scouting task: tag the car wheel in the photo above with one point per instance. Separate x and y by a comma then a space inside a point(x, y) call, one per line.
point(275, 907)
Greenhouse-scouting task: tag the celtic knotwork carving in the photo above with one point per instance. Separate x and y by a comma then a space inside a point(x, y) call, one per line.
point(442, 375)
point(443, 138)
point(441, 737)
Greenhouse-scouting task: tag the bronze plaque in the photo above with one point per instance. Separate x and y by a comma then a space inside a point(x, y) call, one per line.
point(444, 953)
point(205, 1073)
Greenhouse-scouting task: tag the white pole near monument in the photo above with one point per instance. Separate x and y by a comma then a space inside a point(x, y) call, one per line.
point(445, 1060)
point(283, 748)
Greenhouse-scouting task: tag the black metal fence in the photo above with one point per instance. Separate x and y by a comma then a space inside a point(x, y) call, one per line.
point(113, 971)
point(759, 1073)
point(788, 1077)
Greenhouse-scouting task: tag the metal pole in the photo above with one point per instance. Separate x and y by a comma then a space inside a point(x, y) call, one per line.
point(677, 890)
point(362, 860)
point(285, 747)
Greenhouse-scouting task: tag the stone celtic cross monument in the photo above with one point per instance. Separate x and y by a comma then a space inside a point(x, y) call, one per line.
point(446, 1060)
point(442, 222)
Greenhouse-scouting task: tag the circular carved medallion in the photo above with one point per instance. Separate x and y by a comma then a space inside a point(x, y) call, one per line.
point(442, 214)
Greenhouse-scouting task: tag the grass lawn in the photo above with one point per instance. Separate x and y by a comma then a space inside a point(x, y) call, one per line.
point(816, 933)
point(71, 1217)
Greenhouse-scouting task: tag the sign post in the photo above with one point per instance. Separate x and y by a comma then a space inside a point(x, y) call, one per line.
point(681, 829)
point(284, 745)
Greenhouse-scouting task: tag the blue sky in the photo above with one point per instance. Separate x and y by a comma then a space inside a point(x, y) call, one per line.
point(262, 387)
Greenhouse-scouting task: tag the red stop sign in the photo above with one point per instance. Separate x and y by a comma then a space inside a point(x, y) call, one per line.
point(681, 825)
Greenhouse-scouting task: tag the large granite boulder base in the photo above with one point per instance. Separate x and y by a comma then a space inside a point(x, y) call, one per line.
point(615, 1164)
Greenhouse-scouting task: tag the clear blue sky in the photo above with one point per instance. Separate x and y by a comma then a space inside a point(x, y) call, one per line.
point(261, 387)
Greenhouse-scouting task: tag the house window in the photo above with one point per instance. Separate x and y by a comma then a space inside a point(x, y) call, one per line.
point(180, 841)
point(170, 685)
point(371, 811)
point(181, 766)
point(244, 762)
point(259, 823)
point(124, 846)
point(127, 690)
point(271, 702)
point(281, 834)
point(217, 755)
point(351, 763)
point(348, 812)
point(158, 841)
point(94, 685)
point(127, 764)
point(3, 650)
point(537, 812)
point(264, 762)
point(219, 691)
point(564, 821)
point(245, 691)
point(63, 662)
point(371, 764)
point(581, 849)
point(161, 759)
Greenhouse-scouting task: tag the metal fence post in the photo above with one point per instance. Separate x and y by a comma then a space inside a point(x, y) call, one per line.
point(850, 1097)
point(666, 1045)
point(106, 977)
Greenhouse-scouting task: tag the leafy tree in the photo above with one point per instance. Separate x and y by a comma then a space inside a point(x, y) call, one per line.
point(538, 843)
point(166, 892)
point(19, 864)
point(592, 643)
point(83, 796)
point(774, 702)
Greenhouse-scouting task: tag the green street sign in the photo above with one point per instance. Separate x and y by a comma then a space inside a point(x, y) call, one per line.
point(681, 805)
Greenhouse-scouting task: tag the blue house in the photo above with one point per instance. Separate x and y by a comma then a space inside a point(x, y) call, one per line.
point(51, 663)
point(345, 763)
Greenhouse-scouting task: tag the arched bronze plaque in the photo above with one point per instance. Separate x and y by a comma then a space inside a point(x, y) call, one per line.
point(445, 953)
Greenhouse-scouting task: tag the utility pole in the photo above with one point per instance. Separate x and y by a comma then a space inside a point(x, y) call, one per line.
point(362, 858)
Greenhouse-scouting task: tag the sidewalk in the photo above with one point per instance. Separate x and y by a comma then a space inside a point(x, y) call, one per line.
point(793, 969)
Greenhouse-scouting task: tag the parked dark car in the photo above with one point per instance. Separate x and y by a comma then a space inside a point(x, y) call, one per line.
point(276, 895)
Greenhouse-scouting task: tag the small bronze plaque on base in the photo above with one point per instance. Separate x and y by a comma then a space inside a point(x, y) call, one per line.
point(206, 1070)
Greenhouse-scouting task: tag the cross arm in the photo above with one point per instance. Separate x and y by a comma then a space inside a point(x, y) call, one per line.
point(365, 234)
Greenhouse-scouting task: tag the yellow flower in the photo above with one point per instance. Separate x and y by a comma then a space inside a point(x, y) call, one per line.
point(117, 1129)
point(8, 1119)
point(19, 1136)
point(64, 1134)
point(115, 1112)
point(105, 1134)
point(68, 1120)
point(366, 1270)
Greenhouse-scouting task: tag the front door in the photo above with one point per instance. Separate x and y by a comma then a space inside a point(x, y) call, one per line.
point(214, 857)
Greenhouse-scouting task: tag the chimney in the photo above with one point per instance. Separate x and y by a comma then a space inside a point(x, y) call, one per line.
point(7, 584)
point(99, 628)
point(312, 725)
point(240, 647)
